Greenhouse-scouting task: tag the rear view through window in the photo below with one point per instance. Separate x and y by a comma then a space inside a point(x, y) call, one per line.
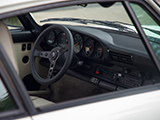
point(6, 102)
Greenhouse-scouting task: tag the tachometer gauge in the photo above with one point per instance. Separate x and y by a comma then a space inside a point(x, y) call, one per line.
point(78, 43)
point(50, 38)
point(89, 47)
point(62, 39)
point(98, 51)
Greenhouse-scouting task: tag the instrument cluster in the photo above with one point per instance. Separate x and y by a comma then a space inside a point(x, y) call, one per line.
point(82, 43)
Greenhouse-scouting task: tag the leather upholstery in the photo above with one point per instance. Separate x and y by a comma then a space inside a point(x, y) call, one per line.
point(7, 43)
point(38, 101)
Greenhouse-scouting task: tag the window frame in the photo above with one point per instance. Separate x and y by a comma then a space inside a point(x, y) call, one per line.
point(107, 96)
point(137, 24)
point(158, 3)
point(117, 94)
point(9, 85)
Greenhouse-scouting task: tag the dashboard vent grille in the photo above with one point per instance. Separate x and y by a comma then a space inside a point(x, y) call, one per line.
point(120, 57)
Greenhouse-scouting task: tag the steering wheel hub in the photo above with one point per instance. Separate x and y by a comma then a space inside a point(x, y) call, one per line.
point(54, 55)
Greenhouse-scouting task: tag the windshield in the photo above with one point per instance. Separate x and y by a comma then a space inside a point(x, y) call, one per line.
point(150, 27)
point(91, 13)
point(109, 15)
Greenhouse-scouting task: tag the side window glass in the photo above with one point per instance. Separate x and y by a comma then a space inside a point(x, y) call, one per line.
point(150, 27)
point(6, 101)
point(13, 23)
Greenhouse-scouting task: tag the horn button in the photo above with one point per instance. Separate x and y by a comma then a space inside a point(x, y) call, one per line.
point(54, 55)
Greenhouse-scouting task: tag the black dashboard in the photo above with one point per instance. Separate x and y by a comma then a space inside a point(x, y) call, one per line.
point(111, 59)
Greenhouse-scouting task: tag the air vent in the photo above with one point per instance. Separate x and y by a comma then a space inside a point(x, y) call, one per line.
point(120, 57)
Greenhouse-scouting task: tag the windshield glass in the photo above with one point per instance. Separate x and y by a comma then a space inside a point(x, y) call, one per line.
point(80, 14)
point(150, 27)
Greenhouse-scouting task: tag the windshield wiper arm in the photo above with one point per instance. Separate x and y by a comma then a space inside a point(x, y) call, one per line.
point(154, 31)
point(98, 22)
point(65, 19)
point(114, 25)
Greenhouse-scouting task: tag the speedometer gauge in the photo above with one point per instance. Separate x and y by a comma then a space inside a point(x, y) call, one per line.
point(50, 38)
point(89, 47)
point(78, 43)
point(62, 39)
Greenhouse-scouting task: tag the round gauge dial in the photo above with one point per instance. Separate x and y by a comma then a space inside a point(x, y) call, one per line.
point(50, 38)
point(78, 43)
point(89, 47)
point(62, 39)
point(98, 51)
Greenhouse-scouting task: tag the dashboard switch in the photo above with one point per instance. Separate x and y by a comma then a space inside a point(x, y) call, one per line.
point(23, 47)
point(29, 46)
point(80, 63)
point(119, 75)
point(97, 72)
point(94, 80)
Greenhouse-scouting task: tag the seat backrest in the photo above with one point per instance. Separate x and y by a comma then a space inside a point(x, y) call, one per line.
point(7, 43)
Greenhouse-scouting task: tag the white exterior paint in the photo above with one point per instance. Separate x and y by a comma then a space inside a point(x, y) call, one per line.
point(145, 106)
point(154, 5)
point(14, 5)
point(25, 118)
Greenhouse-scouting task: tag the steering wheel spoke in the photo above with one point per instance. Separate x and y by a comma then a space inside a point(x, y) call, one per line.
point(51, 69)
point(62, 51)
point(42, 54)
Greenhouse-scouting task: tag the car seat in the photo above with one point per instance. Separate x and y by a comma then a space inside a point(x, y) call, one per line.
point(7, 43)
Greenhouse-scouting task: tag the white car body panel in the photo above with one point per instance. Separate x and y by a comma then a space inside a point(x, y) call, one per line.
point(154, 5)
point(145, 106)
point(9, 5)
point(25, 118)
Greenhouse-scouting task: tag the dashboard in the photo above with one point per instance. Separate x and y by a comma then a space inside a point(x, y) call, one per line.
point(83, 44)
point(110, 59)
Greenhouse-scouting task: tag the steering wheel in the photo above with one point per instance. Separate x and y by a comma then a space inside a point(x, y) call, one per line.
point(53, 55)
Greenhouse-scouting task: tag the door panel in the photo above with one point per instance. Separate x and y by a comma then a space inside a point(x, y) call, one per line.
point(23, 57)
point(23, 43)
point(145, 106)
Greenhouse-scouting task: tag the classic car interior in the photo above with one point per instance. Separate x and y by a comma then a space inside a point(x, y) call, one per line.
point(61, 62)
